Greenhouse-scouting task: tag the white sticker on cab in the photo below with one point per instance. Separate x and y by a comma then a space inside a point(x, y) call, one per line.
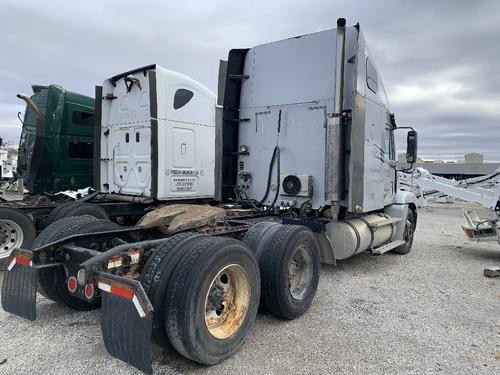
point(183, 184)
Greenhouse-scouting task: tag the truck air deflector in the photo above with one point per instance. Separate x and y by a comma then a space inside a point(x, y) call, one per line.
point(231, 112)
point(97, 138)
point(153, 108)
point(19, 287)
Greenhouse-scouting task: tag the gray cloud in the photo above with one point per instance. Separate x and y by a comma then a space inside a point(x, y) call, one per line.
point(438, 59)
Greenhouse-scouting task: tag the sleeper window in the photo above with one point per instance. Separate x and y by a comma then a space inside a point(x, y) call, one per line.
point(371, 76)
point(80, 150)
point(182, 97)
point(388, 147)
point(82, 118)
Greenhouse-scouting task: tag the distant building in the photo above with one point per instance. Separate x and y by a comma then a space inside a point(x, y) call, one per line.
point(474, 158)
point(473, 165)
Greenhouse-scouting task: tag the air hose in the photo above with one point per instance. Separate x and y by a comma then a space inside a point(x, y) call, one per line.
point(275, 157)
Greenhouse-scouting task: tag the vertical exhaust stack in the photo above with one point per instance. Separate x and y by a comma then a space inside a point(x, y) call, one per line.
point(334, 168)
point(39, 115)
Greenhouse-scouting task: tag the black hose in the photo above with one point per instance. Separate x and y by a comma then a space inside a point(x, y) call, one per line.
point(276, 155)
point(277, 174)
point(269, 175)
point(278, 161)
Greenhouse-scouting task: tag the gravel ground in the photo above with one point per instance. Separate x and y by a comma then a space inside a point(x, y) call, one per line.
point(431, 311)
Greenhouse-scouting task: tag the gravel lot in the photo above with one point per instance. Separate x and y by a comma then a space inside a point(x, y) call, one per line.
point(432, 311)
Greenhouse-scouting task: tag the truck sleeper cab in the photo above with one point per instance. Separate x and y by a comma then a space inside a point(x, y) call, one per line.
point(291, 193)
point(156, 136)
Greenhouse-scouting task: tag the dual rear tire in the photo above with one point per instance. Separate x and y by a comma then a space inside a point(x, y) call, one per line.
point(52, 282)
point(289, 260)
point(75, 208)
point(205, 292)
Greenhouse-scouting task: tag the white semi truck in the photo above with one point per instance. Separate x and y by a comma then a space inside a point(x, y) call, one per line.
point(299, 153)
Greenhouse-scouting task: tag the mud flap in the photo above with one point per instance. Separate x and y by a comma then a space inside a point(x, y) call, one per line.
point(19, 287)
point(126, 321)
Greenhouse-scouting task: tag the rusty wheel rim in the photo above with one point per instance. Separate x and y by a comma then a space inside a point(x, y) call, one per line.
point(227, 301)
point(300, 272)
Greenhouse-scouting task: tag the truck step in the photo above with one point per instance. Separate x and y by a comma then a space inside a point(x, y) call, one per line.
point(385, 248)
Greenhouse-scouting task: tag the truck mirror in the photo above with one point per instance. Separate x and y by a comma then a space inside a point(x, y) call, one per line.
point(411, 147)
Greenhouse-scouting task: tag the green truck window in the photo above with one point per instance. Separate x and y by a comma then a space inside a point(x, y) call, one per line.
point(81, 118)
point(80, 150)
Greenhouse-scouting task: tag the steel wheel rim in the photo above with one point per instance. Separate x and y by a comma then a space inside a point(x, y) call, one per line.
point(11, 236)
point(227, 301)
point(300, 272)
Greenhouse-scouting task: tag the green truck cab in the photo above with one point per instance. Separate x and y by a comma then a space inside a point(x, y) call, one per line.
point(57, 141)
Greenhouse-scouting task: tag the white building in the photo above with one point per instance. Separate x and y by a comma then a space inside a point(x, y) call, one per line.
point(474, 158)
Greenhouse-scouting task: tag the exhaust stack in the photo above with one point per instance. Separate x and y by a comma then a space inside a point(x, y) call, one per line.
point(39, 115)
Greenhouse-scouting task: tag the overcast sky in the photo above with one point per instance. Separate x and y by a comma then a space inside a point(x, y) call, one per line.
point(439, 60)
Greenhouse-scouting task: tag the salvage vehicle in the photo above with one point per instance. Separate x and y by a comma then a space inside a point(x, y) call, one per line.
point(55, 153)
point(304, 173)
point(57, 138)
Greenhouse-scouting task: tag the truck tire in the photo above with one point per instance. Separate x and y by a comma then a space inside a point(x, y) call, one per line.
point(289, 266)
point(212, 299)
point(52, 281)
point(411, 221)
point(258, 235)
point(156, 275)
point(16, 230)
point(56, 213)
point(69, 209)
